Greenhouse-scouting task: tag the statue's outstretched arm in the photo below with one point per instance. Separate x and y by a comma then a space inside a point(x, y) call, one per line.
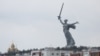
point(75, 23)
point(59, 18)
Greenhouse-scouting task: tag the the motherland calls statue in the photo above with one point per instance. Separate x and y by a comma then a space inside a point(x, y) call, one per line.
point(66, 27)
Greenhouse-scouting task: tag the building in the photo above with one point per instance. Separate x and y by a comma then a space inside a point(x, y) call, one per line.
point(50, 52)
point(54, 52)
point(12, 48)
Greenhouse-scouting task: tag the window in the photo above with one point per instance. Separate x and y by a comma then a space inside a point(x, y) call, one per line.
point(42, 54)
point(57, 53)
point(34, 54)
point(52, 53)
point(62, 54)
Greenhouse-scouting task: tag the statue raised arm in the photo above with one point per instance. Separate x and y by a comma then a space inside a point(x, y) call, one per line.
point(59, 18)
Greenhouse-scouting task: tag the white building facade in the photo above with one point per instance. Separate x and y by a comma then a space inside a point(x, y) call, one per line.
point(51, 52)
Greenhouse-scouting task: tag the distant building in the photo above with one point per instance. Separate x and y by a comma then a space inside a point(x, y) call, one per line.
point(50, 52)
point(54, 52)
point(12, 48)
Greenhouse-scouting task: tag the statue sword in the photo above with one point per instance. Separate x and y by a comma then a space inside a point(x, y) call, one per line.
point(60, 11)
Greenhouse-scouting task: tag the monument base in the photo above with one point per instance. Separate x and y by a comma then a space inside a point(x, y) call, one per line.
point(70, 46)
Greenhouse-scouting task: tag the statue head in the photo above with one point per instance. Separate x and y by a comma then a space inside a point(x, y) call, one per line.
point(65, 20)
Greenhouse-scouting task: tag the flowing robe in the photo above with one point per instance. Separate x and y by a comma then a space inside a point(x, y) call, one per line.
point(69, 38)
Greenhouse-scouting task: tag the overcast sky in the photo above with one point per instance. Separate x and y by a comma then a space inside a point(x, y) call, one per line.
point(34, 24)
